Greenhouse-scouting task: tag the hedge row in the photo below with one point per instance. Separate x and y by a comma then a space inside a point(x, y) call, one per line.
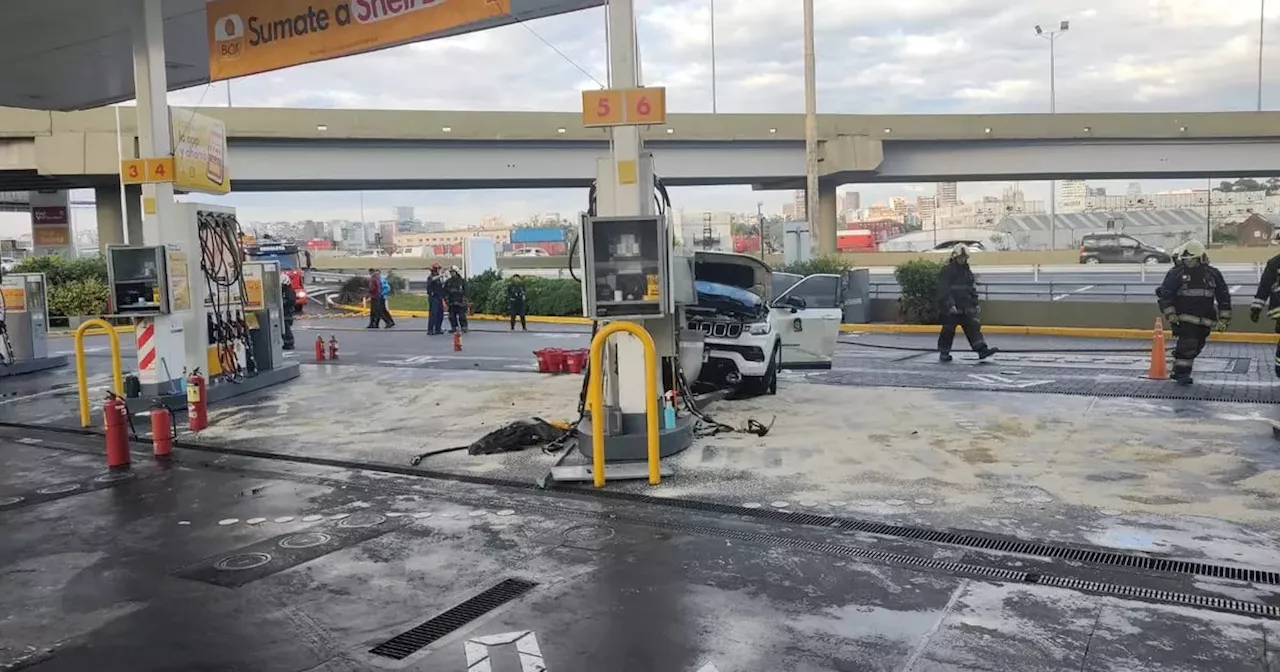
point(77, 287)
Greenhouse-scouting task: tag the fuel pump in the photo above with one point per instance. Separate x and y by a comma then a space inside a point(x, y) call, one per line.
point(24, 325)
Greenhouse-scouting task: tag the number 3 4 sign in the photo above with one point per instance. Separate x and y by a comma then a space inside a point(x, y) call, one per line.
point(143, 171)
point(624, 107)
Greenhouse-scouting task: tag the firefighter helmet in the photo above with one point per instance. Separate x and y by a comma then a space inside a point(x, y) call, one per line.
point(960, 251)
point(1192, 253)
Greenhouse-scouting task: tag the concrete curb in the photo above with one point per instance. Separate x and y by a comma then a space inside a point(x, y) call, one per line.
point(1060, 332)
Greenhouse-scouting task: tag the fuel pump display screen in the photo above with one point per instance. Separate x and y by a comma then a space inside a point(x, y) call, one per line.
point(627, 263)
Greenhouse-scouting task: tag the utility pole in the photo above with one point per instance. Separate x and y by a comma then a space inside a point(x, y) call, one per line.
point(1262, 25)
point(714, 97)
point(760, 227)
point(811, 134)
point(1052, 36)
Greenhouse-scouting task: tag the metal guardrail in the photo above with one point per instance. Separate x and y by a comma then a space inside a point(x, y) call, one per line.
point(1120, 292)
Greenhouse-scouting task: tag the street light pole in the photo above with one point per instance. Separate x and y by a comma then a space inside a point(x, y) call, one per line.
point(713, 58)
point(1052, 36)
point(811, 132)
point(1262, 24)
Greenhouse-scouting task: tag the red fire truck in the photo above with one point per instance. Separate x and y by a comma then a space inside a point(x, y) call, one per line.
point(286, 253)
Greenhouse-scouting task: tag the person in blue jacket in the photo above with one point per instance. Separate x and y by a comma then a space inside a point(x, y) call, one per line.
point(386, 312)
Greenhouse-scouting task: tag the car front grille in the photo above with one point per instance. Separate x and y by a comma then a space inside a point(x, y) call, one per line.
point(718, 329)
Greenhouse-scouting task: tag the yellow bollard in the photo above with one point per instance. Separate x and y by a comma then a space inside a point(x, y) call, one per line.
point(81, 378)
point(595, 399)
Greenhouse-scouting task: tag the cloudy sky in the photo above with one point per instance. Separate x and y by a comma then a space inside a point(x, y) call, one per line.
point(905, 56)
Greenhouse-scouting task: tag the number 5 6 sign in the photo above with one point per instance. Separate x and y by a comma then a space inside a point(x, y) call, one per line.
point(624, 107)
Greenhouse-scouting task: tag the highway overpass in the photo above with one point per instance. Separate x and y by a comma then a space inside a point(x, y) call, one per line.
point(284, 149)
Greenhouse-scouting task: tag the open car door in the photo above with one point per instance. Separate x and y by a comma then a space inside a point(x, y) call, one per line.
point(807, 318)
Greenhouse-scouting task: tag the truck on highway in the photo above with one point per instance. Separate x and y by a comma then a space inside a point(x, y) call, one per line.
point(286, 253)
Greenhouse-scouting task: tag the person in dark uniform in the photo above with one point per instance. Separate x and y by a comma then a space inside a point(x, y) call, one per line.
point(1195, 300)
point(1268, 298)
point(516, 301)
point(435, 301)
point(288, 297)
point(958, 303)
point(455, 291)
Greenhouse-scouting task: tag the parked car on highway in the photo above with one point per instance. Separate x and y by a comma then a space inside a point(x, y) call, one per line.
point(1118, 248)
point(972, 246)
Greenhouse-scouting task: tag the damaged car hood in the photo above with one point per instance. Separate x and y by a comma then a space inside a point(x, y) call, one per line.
point(733, 270)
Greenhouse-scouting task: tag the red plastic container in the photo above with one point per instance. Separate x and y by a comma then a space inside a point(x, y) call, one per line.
point(555, 360)
point(573, 360)
point(544, 362)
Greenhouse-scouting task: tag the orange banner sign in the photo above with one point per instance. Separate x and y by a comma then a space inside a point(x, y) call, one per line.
point(248, 36)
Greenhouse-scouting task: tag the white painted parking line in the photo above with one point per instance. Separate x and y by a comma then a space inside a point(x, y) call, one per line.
point(1236, 289)
point(1074, 291)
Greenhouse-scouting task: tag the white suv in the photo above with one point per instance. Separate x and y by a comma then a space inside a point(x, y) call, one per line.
point(749, 333)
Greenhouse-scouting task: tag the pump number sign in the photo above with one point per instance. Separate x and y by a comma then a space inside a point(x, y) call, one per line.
point(624, 107)
point(14, 292)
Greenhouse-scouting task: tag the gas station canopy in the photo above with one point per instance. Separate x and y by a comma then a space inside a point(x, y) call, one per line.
point(78, 54)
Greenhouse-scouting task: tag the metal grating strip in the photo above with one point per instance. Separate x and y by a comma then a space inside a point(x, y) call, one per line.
point(411, 641)
point(1168, 597)
point(1096, 557)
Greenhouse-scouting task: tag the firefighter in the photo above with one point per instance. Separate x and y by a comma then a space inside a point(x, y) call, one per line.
point(455, 290)
point(958, 303)
point(1268, 298)
point(435, 301)
point(516, 302)
point(1195, 300)
point(288, 297)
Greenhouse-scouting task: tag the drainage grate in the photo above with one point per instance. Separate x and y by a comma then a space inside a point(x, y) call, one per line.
point(1167, 597)
point(1094, 557)
point(411, 641)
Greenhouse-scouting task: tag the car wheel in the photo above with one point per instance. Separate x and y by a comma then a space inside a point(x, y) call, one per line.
point(1092, 260)
point(768, 383)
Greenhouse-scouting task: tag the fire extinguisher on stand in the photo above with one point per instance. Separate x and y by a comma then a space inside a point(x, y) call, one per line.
point(197, 402)
point(115, 417)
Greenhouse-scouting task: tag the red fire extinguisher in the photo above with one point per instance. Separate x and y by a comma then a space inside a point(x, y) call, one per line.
point(162, 432)
point(333, 347)
point(457, 342)
point(115, 416)
point(319, 348)
point(197, 402)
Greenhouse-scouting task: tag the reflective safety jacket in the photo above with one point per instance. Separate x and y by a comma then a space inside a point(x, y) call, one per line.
point(1268, 294)
point(1196, 295)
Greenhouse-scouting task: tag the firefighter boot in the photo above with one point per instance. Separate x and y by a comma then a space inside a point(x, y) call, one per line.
point(1181, 376)
point(944, 357)
point(986, 352)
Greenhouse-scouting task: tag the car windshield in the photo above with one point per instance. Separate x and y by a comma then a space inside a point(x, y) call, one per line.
point(714, 291)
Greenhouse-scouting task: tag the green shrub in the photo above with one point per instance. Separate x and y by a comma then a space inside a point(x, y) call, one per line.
point(828, 264)
point(78, 298)
point(480, 290)
point(353, 291)
point(919, 282)
point(553, 297)
point(398, 282)
point(58, 271)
